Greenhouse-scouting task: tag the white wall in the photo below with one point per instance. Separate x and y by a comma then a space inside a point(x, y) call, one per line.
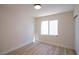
point(16, 27)
point(66, 32)
point(76, 12)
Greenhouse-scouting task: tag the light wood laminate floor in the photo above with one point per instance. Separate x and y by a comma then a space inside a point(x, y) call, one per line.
point(42, 49)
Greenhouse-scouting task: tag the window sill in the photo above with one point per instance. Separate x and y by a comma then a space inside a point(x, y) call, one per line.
point(50, 35)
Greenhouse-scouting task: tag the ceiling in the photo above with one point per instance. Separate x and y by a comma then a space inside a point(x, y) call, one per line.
point(47, 9)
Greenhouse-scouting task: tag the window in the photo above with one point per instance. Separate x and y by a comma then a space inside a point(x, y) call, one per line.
point(44, 27)
point(49, 27)
point(53, 27)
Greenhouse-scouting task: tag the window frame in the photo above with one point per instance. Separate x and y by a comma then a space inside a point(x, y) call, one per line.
point(48, 29)
point(40, 27)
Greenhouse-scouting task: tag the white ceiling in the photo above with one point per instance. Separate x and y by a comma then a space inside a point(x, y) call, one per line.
point(47, 9)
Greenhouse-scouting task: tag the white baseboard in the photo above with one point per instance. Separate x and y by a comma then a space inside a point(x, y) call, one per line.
point(14, 48)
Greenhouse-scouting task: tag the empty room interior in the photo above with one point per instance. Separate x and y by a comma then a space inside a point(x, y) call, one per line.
point(39, 29)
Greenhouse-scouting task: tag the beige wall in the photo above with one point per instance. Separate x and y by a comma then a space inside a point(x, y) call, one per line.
point(65, 37)
point(76, 12)
point(76, 9)
point(16, 27)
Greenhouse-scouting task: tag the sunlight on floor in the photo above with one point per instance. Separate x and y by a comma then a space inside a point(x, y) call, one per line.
point(34, 38)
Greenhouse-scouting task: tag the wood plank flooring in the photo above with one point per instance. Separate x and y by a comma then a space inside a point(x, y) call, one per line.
point(42, 49)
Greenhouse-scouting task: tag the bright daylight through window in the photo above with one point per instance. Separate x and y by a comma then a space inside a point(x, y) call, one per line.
point(49, 27)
